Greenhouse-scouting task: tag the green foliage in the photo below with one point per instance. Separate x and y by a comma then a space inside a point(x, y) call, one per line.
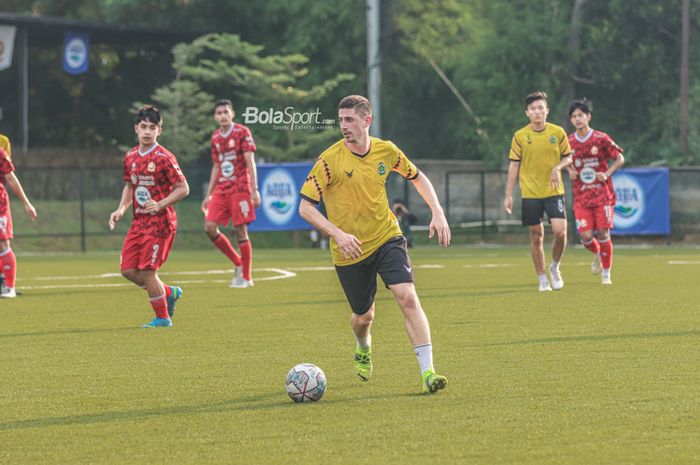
point(224, 66)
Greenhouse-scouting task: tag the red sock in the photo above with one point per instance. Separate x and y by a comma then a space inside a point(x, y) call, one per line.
point(593, 245)
point(246, 257)
point(223, 244)
point(9, 267)
point(160, 306)
point(606, 253)
point(168, 290)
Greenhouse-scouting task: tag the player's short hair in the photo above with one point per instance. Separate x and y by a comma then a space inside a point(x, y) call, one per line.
point(535, 96)
point(149, 113)
point(583, 104)
point(223, 102)
point(358, 103)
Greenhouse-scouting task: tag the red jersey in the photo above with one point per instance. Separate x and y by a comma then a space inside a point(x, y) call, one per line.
point(591, 155)
point(227, 150)
point(6, 167)
point(153, 174)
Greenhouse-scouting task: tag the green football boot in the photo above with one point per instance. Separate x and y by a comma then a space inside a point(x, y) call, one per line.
point(363, 363)
point(432, 382)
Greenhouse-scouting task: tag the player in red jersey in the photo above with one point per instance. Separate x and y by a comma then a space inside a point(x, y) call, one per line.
point(594, 196)
point(154, 183)
point(233, 190)
point(7, 256)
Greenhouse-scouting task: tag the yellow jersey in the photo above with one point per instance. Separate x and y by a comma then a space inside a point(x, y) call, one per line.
point(538, 152)
point(353, 189)
point(5, 145)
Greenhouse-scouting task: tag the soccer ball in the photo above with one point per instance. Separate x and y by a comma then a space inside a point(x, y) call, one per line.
point(306, 383)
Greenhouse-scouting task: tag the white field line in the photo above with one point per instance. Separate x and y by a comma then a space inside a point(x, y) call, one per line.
point(490, 265)
point(684, 262)
point(281, 274)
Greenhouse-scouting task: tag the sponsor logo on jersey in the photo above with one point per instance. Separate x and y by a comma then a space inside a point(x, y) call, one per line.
point(381, 169)
point(134, 179)
point(227, 169)
point(587, 175)
point(577, 163)
point(348, 173)
point(552, 140)
point(142, 195)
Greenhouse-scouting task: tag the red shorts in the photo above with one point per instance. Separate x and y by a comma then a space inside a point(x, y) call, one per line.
point(145, 252)
point(5, 222)
point(225, 207)
point(592, 218)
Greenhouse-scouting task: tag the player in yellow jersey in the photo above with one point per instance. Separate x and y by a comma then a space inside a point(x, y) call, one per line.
point(538, 153)
point(350, 177)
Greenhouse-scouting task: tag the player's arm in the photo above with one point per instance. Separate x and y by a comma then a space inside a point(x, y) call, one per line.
point(513, 172)
point(349, 245)
point(16, 186)
point(616, 165)
point(124, 203)
point(250, 164)
point(565, 161)
point(179, 192)
point(213, 178)
point(438, 224)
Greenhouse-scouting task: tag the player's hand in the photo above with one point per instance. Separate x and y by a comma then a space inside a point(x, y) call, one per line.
point(255, 198)
point(601, 176)
point(151, 206)
point(31, 211)
point(114, 217)
point(439, 225)
point(554, 178)
point(349, 245)
point(205, 205)
point(508, 204)
point(573, 174)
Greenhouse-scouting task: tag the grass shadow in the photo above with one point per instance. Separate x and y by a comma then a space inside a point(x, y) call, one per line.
point(593, 338)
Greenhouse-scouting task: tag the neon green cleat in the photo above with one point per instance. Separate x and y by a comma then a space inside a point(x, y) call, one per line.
point(363, 363)
point(432, 382)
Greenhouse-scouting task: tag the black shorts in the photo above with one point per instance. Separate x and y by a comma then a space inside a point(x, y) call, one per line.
point(533, 210)
point(359, 280)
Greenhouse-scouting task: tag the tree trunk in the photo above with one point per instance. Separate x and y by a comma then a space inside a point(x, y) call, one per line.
point(573, 48)
point(683, 107)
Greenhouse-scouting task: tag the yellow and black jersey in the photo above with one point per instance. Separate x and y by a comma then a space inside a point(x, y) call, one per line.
point(538, 152)
point(5, 145)
point(353, 189)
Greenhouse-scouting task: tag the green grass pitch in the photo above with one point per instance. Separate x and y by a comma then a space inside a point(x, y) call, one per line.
point(586, 375)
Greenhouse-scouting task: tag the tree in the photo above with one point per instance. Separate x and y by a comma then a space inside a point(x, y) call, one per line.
point(224, 66)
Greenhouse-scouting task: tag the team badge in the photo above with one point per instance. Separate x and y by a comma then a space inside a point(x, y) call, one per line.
point(133, 166)
point(381, 169)
point(529, 139)
point(594, 150)
point(552, 140)
point(151, 167)
point(231, 143)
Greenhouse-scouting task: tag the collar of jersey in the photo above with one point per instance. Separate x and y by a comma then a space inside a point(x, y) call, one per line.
point(587, 136)
point(230, 130)
point(143, 154)
point(357, 154)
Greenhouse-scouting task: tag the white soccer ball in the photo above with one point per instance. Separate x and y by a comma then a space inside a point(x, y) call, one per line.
point(305, 383)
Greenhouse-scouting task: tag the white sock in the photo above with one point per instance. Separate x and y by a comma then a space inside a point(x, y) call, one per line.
point(555, 265)
point(364, 343)
point(543, 279)
point(605, 273)
point(424, 352)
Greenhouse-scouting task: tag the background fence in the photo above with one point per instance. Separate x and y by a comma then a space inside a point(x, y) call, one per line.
point(74, 206)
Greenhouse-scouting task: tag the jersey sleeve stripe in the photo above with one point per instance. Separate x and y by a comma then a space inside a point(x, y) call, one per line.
point(411, 178)
point(327, 171)
point(306, 197)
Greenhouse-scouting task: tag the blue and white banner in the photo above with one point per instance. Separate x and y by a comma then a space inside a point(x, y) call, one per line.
point(76, 52)
point(643, 202)
point(279, 191)
point(7, 43)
